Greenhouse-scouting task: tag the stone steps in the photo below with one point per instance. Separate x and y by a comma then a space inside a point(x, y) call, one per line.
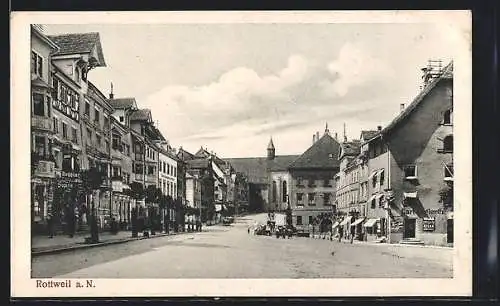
point(412, 241)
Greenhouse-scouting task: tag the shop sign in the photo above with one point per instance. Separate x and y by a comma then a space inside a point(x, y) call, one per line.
point(438, 211)
point(429, 224)
point(407, 211)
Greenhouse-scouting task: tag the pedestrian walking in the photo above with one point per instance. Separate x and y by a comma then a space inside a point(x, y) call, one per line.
point(50, 225)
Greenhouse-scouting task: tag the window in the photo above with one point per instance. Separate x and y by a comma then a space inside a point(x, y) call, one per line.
point(98, 140)
point(326, 182)
point(448, 144)
point(300, 182)
point(448, 172)
point(116, 171)
point(310, 197)
point(299, 220)
point(284, 191)
point(300, 199)
point(106, 123)
point(410, 172)
point(74, 134)
point(175, 171)
point(116, 142)
point(40, 145)
point(311, 182)
point(151, 170)
point(38, 105)
point(36, 64)
point(66, 165)
point(275, 191)
point(373, 204)
point(326, 199)
point(56, 125)
point(89, 136)
point(448, 117)
point(382, 177)
point(97, 118)
point(138, 168)
point(121, 118)
point(381, 201)
point(65, 130)
point(106, 145)
point(374, 181)
point(311, 219)
point(87, 109)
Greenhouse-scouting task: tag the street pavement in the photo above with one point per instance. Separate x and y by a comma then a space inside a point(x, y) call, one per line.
point(230, 252)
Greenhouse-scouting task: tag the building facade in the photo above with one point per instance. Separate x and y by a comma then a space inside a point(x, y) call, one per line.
point(43, 163)
point(312, 190)
point(414, 155)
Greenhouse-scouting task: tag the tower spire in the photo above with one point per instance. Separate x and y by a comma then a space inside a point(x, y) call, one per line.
point(327, 131)
point(345, 136)
point(270, 150)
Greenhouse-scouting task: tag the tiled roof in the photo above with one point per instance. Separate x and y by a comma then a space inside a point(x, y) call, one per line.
point(281, 162)
point(122, 103)
point(255, 168)
point(184, 155)
point(198, 163)
point(141, 114)
point(350, 148)
point(78, 43)
point(446, 74)
point(323, 153)
point(367, 135)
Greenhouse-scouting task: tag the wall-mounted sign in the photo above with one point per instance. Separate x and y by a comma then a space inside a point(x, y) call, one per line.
point(429, 224)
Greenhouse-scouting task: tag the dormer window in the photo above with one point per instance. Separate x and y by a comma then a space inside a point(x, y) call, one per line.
point(410, 172)
point(448, 117)
point(36, 64)
point(448, 144)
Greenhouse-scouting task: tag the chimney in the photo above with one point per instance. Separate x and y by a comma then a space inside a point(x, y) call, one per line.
point(317, 136)
point(401, 107)
point(336, 136)
point(379, 128)
point(111, 95)
point(314, 138)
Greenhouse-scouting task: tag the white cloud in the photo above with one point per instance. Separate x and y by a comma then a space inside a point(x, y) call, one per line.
point(353, 67)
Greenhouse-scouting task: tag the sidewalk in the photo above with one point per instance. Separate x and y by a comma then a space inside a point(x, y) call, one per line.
point(44, 245)
point(345, 241)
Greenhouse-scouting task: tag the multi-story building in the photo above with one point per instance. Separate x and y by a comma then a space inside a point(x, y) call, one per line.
point(167, 179)
point(78, 54)
point(312, 190)
point(193, 191)
point(42, 159)
point(411, 164)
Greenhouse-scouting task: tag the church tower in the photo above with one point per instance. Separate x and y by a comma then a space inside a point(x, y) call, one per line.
point(270, 150)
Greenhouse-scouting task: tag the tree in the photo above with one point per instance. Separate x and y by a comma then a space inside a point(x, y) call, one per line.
point(137, 193)
point(92, 180)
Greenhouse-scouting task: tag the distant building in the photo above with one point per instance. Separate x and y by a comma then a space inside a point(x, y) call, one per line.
point(312, 190)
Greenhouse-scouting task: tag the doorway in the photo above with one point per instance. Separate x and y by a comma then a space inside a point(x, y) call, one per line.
point(409, 228)
point(449, 231)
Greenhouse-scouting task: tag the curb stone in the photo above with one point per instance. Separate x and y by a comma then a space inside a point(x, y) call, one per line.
point(57, 250)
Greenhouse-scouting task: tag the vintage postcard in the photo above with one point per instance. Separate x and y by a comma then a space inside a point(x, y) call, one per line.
point(241, 153)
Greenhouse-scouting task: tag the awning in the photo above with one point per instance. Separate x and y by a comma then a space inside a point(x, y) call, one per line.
point(450, 215)
point(412, 195)
point(335, 224)
point(378, 196)
point(374, 172)
point(218, 207)
point(345, 221)
point(370, 223)
point(371, 198)
point(358, 221)
point(380, 171)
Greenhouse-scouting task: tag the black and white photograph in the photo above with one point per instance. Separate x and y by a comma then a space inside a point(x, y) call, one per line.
point(246, 153)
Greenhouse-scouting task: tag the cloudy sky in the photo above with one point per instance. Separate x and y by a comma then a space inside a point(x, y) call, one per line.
point(230, 87)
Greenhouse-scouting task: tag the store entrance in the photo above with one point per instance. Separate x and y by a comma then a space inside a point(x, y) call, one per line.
point(449, 235)
point(409, 228)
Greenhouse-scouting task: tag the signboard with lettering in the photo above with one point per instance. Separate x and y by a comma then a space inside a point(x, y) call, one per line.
point(429, 224)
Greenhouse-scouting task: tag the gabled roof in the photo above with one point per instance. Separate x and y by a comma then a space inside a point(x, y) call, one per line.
point(141, 115)
point(367, 135)
point(322, 154)
point(202, 153)
point(255, 168)
point(184, 155)
point(123, 103)
point(79, 43)
point(447, 74)
point(351, 148)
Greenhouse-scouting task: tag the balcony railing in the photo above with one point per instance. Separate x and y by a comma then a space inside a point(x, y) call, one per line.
point(41, 123)
point(45, 168)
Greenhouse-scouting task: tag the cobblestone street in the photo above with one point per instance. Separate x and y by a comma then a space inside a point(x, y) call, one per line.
point(230, 252)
